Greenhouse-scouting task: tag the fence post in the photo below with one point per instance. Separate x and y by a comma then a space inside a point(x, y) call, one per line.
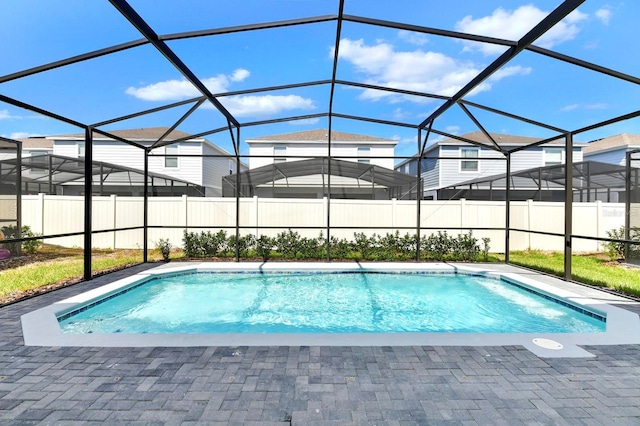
point(529, 215)
point(394, 212)
point(255, 213)
point(599, 234)
point(42, 214)
point(114, 216)
point(463, 207)
point(185, 210)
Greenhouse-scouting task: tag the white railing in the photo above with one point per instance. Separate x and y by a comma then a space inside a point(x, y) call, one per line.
point(52, 215)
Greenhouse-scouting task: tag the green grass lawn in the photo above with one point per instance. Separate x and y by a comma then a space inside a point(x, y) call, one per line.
point(594, 269)
point(54, 266)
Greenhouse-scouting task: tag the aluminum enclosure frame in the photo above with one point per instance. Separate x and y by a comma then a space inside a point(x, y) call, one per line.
point(424, 129)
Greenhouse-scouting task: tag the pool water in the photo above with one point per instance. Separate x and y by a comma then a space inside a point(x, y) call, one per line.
point(327, 303)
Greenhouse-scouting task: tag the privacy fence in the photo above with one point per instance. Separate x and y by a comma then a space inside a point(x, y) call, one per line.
point(535, 225)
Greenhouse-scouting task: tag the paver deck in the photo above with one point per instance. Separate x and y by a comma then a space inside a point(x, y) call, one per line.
point(279, 385)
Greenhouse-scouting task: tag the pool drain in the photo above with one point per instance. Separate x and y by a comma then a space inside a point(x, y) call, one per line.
point(548, 344)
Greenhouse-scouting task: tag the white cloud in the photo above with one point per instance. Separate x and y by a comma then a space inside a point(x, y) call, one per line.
point(420, 71)
point(573, 107)
point(21, 135)
point(454, 130)
point(512, 25)
point(304, 121)
point(240, 74)
point(243, 106)
point(175, 90)
point(413, 38)
point(6, 115)
point(604, 15)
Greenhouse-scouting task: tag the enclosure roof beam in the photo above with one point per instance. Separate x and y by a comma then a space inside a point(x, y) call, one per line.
point(584, 64)
point(175, 125)
point(496, 147)
point(73, 60)
point(249, 27)
point(285, 119)
point(549, 21)
point(510, 115)
point(428, 30)
point(148, 111)
point(41, 111)
point(136, 20)
point(118, 138)
point(392, 90)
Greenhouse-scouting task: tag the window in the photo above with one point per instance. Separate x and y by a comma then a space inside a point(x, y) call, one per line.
point(230, 166)
point(169, 152)
point(279, 153)
point(81, 149)
point(469, 165)
point(38, 161)
point(553, 156)
point(364, 151)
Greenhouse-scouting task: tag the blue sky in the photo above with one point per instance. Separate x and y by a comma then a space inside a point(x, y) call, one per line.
point(532, 85)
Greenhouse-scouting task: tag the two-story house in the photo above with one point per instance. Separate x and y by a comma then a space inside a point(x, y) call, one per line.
point(186, 160)
point(294, 165)
point(612, 149)
point(452, 161)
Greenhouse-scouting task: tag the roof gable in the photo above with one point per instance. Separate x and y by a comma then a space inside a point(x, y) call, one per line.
point(320, 135)
point(144, 134)
point(621, 141)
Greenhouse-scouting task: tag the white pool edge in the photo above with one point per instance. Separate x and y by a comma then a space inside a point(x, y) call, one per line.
point(41, 328)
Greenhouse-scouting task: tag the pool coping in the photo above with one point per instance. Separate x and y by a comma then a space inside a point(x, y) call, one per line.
point(40, 327)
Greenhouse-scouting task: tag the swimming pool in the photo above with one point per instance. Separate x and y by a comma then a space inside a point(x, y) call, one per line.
point(322, 302)
point(41, 327)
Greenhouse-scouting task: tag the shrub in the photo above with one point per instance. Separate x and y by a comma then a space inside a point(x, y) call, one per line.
point(243, 244)
point(340, 248)
point(164, 246)
point(465, 247)
point(485, 248)
point(264, 245)
point(438, 246)
point(615, 249)
point(191, 245)
point(11, 232)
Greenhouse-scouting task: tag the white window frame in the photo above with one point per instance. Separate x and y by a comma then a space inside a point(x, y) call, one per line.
point(364, 152)
point(171, 160)
point(36, 171)
point(231, 165)
point(555, 151)
point(82, 149)
point(279, 153)
point(468, 159)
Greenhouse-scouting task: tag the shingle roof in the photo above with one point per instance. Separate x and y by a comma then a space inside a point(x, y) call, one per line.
point(501, 139)
point(318, 135)
point(149, 133)
point(39, 142)
point(616, 141)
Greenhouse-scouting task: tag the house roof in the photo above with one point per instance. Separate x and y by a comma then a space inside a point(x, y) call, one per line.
point(320, 135)
point(501, 139)
point(36, 142)
point(144, 134)
point(623, 140)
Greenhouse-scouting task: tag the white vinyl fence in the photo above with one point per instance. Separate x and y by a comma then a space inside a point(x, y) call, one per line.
point(52, 215)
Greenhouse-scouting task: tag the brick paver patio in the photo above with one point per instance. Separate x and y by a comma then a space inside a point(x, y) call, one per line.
point(307, 385)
